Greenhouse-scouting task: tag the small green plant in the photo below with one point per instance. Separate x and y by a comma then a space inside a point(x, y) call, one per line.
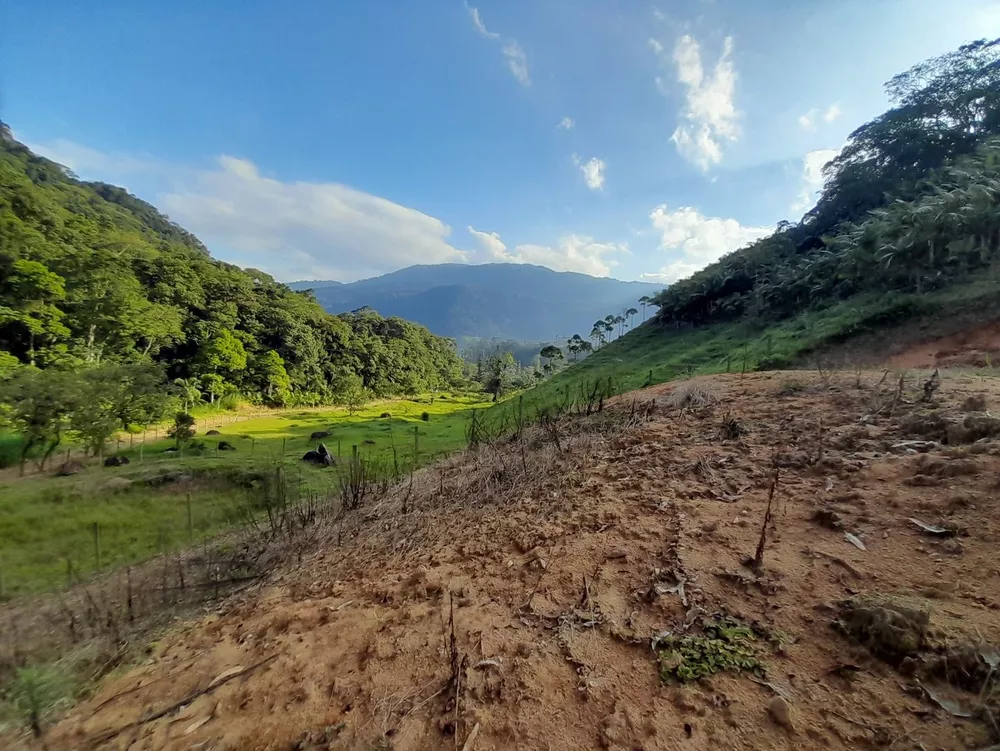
point(37, 691)
point(425, 416)
point(725, 644)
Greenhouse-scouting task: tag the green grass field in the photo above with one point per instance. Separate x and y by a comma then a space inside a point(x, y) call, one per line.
point(47, 522)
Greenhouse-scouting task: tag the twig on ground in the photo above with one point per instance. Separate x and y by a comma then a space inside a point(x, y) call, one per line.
point(108, 735)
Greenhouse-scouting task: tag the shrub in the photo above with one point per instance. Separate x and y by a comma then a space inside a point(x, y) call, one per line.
point(425, 416)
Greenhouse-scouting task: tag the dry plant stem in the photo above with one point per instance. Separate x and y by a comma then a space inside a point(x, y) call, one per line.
point(758, 558)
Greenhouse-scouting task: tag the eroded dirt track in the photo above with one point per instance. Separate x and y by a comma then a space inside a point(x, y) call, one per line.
point(558, 564)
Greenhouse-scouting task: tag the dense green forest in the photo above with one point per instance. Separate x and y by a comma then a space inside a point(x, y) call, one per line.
point(910, 205)
point(90, 275)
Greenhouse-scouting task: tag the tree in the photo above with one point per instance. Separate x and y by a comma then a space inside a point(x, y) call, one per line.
point(182, 430)
point(223, 355)
point(33, 291)
point(37, 405)
point(643, 303)
point(597, 334)
point(213, 384)
point(277, 385)
point(574, 345)
point(93, 417)
point(351, 391)
point(552, 355)
point(500, 370)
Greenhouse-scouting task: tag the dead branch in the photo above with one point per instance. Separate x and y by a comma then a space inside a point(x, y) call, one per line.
point(108, 735)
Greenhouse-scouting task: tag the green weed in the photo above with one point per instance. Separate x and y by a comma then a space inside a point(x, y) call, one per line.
point(725, 644)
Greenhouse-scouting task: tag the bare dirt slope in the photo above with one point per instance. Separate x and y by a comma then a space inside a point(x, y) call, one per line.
point(974, 346)
point(559, 558)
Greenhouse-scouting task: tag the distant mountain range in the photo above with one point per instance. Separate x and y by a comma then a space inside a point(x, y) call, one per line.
point(503, 300)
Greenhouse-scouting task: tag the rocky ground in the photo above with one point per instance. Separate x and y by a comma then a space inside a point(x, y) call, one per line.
point(781, 561)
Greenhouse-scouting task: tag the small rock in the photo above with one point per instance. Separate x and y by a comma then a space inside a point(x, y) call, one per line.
point(778, 709)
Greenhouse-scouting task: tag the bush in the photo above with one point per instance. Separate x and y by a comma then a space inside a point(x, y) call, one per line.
point(231, 402)
point(425, 416)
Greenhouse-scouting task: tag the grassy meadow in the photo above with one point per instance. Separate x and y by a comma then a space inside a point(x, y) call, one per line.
point(164, 500)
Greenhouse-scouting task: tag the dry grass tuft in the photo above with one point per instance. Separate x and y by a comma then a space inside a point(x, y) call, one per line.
point(689, 395)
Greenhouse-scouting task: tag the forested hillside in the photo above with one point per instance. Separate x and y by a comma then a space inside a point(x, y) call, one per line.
point(910, 205)
point(90, 275)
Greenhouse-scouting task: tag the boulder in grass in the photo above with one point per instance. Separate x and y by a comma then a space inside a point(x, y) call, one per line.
point(321, 456)
point(69, 468)
point(213, 432)
point(226, 446)
point(116, 461)
point(319, 435)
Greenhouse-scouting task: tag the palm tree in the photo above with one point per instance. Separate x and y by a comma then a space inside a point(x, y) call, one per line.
point(188, 391)
point(643, 302)
point(597, 334)
point(630, 314)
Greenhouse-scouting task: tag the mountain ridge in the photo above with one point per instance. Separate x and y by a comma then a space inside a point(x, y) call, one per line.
point(503, 300)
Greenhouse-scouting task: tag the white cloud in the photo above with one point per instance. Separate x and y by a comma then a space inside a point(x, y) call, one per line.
point(696, 240)
point(812, 178)
point(810, 120)
point(85, 160)
point(567, 123)
point(477, 21)
point(304, 229)
point(571, 253)
point(517, 61)
point(709, 117)
point(491, 245)
point(656, 46)
point(592, 170)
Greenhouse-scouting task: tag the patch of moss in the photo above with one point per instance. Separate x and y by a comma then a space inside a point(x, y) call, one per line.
point(725, 644)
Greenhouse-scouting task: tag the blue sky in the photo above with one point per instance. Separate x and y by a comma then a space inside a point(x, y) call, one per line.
point(347, 139)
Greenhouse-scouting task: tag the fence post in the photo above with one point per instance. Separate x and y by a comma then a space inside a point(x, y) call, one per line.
point(142, 445)
point(416, 445)
point(97, 545)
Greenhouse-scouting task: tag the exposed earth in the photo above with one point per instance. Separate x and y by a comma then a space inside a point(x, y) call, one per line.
point(509, 599)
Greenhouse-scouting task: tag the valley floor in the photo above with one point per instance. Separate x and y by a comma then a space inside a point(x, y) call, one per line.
point(508, 598)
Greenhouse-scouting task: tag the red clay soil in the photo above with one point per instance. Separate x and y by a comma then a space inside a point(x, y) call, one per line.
point(560, 563)
point(976, 347)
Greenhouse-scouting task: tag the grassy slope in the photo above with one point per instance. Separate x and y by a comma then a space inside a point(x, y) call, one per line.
point(651, 355)
point(45, 520)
